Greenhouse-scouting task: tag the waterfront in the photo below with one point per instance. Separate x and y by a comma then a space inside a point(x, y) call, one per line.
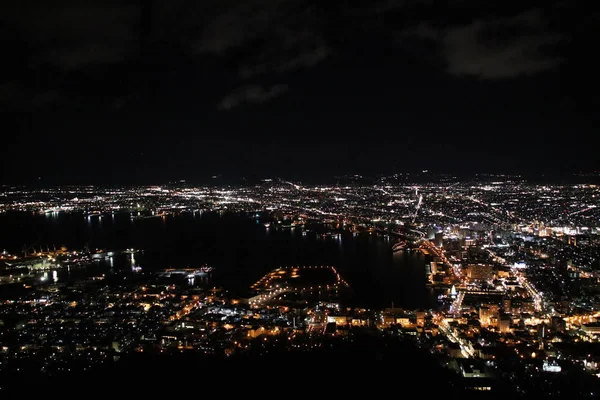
point(240, 248)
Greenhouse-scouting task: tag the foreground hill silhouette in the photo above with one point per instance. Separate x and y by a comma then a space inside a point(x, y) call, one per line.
point(368, 367)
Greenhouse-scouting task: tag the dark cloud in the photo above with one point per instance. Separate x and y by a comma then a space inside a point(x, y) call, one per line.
point(502, 48)
point(251, 94)
point(302, 59)
point(67, 41)
point(494, 48)
point(75, 34)
point(238, 23)
point(120, 53)
point(14, 93)
point(282, 36)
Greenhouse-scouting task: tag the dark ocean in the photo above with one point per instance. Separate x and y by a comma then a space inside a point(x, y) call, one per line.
point(239, 247)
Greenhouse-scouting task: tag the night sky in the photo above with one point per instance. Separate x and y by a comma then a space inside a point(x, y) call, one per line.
point(146, 92)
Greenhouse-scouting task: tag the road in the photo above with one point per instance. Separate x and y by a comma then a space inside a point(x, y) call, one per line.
point(447, 330)
point(537, 298)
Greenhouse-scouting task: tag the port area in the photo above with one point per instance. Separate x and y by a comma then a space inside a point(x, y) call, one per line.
point(298, 286)
point(55, 259)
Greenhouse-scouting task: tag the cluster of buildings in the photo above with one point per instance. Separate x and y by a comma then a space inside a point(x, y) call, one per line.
point(518, 307)
point(515, 267)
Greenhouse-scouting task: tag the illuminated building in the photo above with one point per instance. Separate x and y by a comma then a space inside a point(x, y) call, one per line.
point(481, 272)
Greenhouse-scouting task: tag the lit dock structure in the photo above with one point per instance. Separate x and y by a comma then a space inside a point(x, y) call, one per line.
point(296, 282)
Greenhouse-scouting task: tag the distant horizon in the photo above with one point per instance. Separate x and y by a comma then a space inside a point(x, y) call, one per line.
point(421, 176)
